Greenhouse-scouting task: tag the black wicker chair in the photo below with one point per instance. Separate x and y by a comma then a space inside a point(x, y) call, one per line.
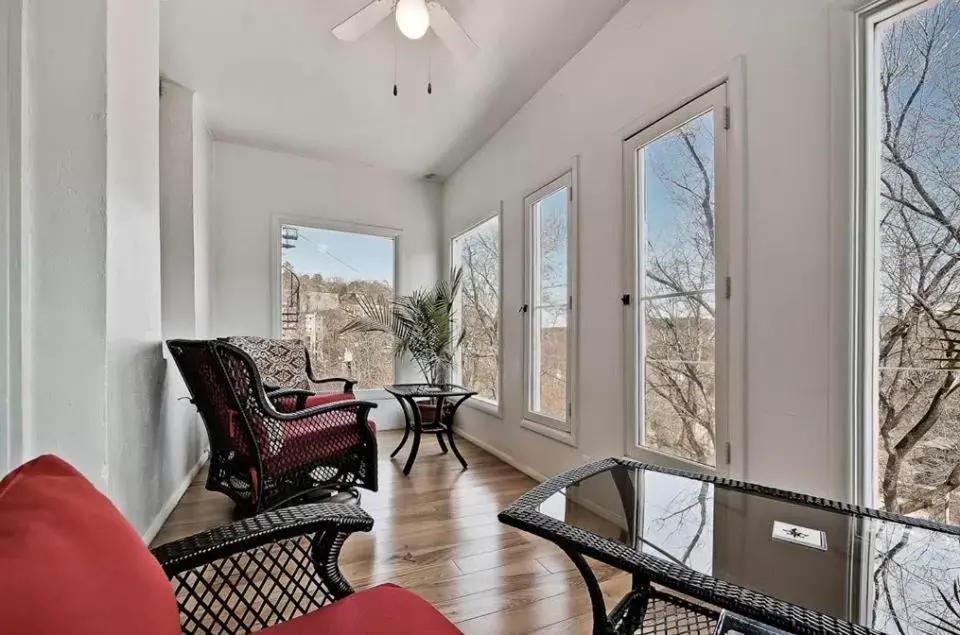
point(263, 570)
point(72, 564)
point(260, 456)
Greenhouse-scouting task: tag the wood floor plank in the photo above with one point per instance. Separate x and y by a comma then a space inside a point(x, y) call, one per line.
point(436, 533)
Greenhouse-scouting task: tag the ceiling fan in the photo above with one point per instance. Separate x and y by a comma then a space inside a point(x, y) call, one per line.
point(414, 18)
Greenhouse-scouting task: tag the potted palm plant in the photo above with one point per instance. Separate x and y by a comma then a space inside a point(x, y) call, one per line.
point(423, 327)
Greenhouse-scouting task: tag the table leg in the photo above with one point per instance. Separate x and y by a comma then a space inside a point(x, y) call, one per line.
point(601, 625)
point(417, 428)
point(443, 446)
point(453, 446)
point(413, 453)
point(406, 433)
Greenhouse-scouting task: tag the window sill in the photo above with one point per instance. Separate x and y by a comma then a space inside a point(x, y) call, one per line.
point(485, 406)
point(372, 394)
point(568, 438)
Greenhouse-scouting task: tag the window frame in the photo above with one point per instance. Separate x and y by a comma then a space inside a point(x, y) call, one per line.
point(863, 447)
point(723, 96)
point(276, 266)
point(491, 407)
point(565, 431)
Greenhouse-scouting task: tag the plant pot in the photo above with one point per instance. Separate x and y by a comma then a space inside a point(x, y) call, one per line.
point(428, 411)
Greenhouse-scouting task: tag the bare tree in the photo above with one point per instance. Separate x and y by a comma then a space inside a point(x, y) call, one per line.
point(918, 275)
point(480, 309)
point(680, 277)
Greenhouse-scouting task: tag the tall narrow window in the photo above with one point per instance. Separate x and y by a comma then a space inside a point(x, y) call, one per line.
point(325, 274)
point(477, 253)
point(675, 178)
point(910, 300)
point(550, 336)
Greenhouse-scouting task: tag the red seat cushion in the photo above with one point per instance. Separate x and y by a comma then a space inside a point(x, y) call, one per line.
point(289, 404)
point(71, 563)
point(323, 399)
point(382, 610)
point(325, 436)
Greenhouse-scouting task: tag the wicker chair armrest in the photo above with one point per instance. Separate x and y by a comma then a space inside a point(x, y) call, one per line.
point(362, 407)
point(261, 571)
point(348, 384)
point(299, 395)
point(258, 531)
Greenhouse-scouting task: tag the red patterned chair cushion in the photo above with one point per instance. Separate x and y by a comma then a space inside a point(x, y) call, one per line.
point(70, 563)
point(382, 610)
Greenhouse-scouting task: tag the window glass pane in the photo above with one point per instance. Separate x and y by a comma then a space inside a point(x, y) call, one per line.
point(477, 253)
point(916, 270)
point(677, 177)
point(550, 393)
point(679, 416)
point(324, 274)
point(551, 213)
point(549, 304)
point(676, 184)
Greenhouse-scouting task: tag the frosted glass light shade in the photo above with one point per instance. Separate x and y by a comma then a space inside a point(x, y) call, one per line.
point(413, 19)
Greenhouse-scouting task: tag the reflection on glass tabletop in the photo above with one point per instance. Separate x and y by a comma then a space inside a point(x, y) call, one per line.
point(429, 390)
point(885, 575)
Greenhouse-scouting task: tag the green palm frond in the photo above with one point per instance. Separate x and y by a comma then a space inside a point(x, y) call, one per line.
point(422, 324)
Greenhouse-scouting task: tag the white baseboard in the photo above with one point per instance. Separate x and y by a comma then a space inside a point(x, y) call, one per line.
point(603, 512)
point(175, 497)
point(503, 456)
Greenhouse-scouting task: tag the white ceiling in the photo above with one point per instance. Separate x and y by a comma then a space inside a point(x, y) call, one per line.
point(270, 73)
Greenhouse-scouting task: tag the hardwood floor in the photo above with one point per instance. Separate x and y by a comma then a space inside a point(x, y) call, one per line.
point(436, 533)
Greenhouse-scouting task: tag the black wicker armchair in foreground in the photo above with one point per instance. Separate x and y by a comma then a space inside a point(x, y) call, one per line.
point(72, 564)
point(263, 457)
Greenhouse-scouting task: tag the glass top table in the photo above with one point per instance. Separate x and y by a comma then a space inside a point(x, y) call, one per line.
point(429, 408)
point(798, 563)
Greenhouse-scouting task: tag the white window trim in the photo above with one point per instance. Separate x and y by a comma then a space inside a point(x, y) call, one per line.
point(563, 431)
point(14, 308)
point(332, 225)
point(489, 406)
point(853, 157)
point(731, 401)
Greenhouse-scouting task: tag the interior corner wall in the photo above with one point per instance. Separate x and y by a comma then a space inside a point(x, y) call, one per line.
point(181, 441)
point(202, 255)
point(92, 368)
point(252, 186)
point(137, 465)
point(651, 54)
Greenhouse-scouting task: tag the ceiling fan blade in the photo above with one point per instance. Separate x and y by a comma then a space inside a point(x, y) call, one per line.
point(449, 32)
point(363, 21)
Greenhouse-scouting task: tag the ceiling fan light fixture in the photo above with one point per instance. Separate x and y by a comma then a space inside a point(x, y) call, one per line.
point(413, 19)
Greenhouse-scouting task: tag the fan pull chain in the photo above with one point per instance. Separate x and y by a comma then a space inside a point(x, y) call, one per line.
point(430, 67)
point(396, 31)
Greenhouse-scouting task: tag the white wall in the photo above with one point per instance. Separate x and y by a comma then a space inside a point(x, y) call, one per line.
point(89, 208)
point(252, 186)
point(653, 53)
point(64, 178)
point(184, 173)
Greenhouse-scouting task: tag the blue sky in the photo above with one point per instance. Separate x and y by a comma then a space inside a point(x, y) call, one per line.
point(345, 255)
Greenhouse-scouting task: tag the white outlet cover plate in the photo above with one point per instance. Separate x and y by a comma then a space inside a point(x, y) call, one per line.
point(798, 535)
